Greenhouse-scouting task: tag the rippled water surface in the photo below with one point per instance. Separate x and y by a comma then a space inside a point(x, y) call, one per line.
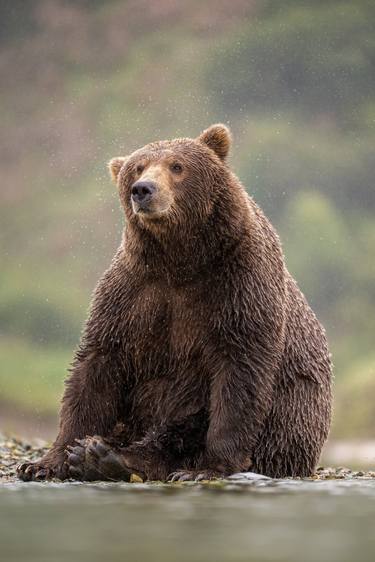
point(304, 521)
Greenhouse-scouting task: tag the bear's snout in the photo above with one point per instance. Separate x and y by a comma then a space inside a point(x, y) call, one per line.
point(142, 191)
point(150, 196)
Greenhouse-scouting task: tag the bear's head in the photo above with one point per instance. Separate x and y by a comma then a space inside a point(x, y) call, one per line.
point(173, 182)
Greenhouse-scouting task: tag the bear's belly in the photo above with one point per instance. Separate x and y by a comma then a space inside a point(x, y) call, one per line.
point(166, 345)
point(167, 400)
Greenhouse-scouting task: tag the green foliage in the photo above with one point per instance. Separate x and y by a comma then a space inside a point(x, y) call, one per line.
point(17, 19)
point(315, 233)
point(355, 409)
point(306, 57)
point(31, 376)
point(280, 155)
point(38, 309)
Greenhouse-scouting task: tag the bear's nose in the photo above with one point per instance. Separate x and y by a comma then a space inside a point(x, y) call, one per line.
point(142, 191)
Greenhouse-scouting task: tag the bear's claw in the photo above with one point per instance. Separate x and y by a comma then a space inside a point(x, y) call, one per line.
point(194, 475)
point(38, 472)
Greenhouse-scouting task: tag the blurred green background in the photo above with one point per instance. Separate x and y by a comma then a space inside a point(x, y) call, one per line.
point(83, 81)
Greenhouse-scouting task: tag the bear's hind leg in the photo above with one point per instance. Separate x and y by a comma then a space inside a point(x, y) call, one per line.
point(295, 431)
point(163, 450)
point(95, 458)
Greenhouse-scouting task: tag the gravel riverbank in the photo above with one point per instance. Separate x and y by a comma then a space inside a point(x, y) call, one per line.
point(14, 451)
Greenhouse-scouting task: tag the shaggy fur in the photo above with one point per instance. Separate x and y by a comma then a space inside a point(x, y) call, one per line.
point(200, 356)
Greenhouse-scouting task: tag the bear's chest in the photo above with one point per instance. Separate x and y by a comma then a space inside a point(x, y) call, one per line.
point(165, 330)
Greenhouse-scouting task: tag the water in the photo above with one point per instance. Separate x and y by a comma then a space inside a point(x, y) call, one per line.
point(283, 521)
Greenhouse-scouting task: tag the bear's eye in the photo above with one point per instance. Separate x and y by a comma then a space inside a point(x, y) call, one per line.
point(140, 168)
point(176, 168)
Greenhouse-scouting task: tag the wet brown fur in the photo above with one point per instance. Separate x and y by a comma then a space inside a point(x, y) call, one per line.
point(199, 344)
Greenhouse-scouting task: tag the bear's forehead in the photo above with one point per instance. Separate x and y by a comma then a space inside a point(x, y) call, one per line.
point(166, 148)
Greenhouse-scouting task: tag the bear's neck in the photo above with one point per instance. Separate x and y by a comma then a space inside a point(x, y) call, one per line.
point(179, 258)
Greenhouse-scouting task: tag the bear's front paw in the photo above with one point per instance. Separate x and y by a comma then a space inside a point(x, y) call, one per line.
point(42, 470)
point(194, 475)
point(95, 459)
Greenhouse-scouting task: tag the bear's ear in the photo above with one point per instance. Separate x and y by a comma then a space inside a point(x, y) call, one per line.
point(218, 138)
point(115, 165)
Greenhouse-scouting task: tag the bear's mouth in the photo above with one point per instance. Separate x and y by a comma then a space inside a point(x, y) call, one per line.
point(148, 210)
point(141, 209)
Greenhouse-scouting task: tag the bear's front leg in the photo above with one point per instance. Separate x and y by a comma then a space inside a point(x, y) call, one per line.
point(91, 404)
point(241, 399)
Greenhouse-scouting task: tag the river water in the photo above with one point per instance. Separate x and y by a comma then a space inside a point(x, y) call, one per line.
point(260, 521)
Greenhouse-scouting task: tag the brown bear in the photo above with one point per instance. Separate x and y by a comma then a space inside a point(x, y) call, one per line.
point(200, 356)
